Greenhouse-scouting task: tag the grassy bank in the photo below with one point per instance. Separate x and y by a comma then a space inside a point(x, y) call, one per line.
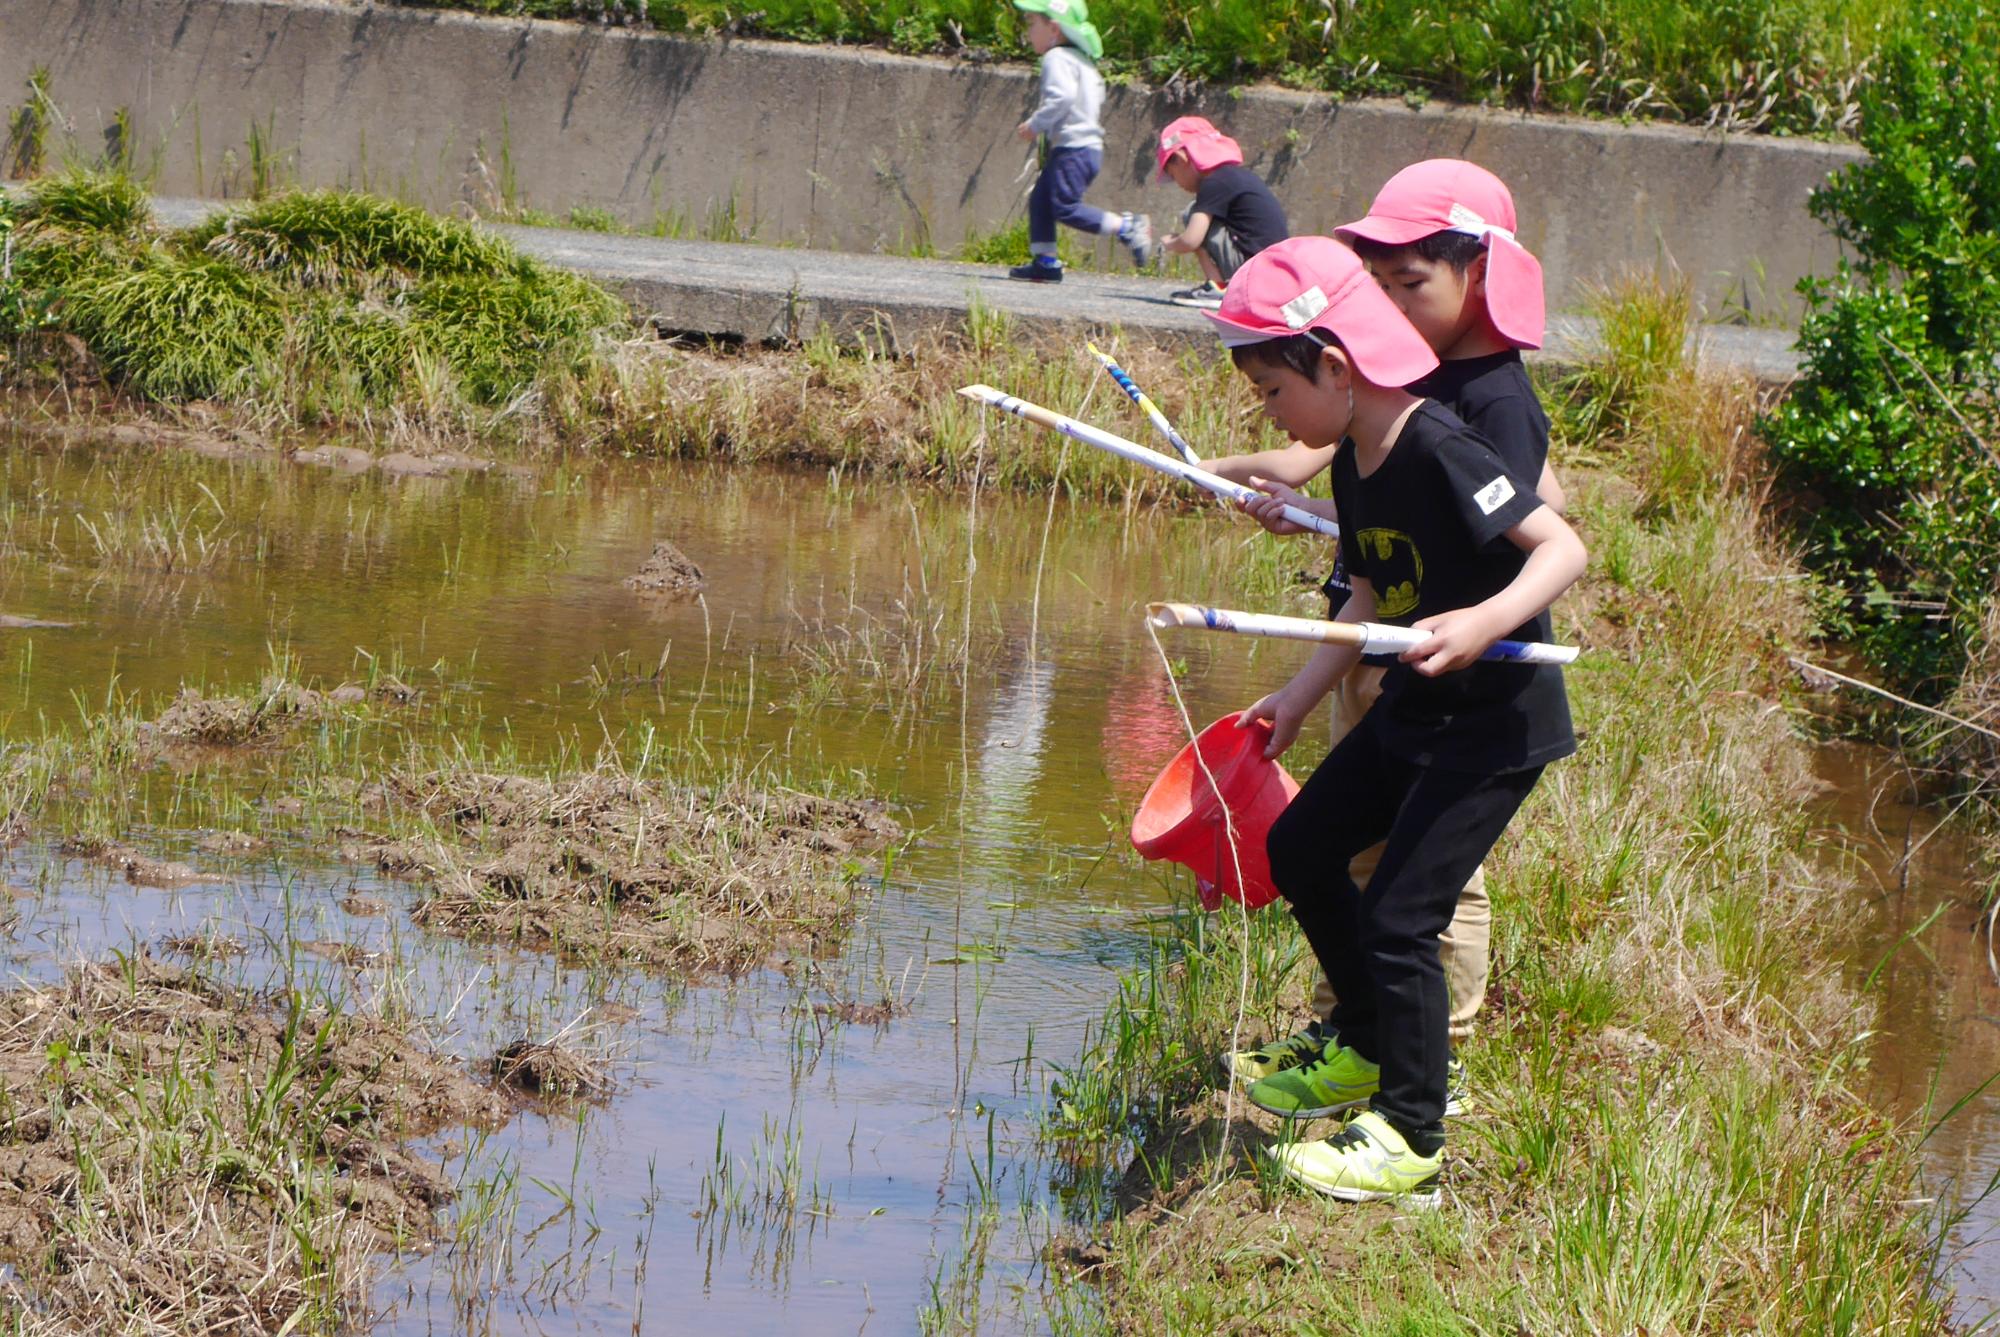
point(1666, 1133)
point(1788, 68)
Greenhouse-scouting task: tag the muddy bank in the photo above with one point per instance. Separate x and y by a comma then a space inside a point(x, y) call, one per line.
point(182, 1155)
point(606, 867)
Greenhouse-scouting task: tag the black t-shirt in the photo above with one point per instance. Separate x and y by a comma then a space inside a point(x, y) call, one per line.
point(1493, 396)
point(1427, 530)
point(1236, 198)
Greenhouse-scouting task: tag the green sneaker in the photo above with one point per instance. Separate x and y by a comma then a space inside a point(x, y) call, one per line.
point(1332, 1083)
point(1294, 1051)
point(1367, 1161)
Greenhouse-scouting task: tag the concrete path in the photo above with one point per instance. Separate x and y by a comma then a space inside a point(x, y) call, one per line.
point(756, 293)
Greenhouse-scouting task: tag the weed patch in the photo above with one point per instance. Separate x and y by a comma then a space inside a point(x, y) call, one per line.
point(180, 1155)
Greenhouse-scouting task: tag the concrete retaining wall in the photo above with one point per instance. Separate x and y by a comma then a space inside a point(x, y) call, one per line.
point(834, 148)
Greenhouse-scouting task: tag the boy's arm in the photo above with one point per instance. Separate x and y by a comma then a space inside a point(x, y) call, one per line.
point(1190, 237)
point(1551, 491)
point(1059, 89)
point(1556, 557)
point(1294, 466)
point(1288, 707)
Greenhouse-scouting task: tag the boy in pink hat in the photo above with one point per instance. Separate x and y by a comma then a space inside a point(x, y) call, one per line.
point(1234, 214)
point(1061, 33)
point(1439, 240)
point(1437, 533)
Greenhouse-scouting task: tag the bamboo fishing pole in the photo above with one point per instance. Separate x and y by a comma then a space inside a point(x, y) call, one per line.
point(1371, 638)
point(1145, 403)
point(1137, 454)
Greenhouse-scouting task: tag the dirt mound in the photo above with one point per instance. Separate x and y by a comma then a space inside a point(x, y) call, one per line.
point(667, 571)
point(275, 707)
point(181, 1156)
point(604, 867)
point(550, 1070)
point(139, 868)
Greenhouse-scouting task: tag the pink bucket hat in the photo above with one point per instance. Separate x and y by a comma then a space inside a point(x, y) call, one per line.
point(1450, 195)
point(1207, 148)
point(1309, 285)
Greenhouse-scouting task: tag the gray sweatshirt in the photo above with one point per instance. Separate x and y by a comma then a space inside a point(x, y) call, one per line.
point(1072, 93)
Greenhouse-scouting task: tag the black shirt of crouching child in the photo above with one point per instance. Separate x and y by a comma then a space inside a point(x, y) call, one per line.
point(1427, 530)
point(1237, 198)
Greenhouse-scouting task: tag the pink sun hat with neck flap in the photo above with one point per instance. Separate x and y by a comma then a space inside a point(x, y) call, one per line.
point(1451, 195)
point(1316, 286)
point(1207, 148)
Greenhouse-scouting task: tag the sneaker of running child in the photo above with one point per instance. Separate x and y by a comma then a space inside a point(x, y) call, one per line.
point(1457, 1098)
point(1204, 295)
point(1367, 1161)
point(1294, 1051)
point(1338, 1080)
point(1037, 272)
point(1136, 232)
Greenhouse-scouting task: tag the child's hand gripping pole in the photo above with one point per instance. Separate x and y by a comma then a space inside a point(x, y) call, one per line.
point(1146, 405)
point(1371, 638)
point(1138, 454)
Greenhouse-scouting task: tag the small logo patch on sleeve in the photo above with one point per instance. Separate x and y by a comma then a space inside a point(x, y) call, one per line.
point(1494, 495)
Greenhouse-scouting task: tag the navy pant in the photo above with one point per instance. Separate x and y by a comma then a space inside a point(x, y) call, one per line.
point(1379, 947)
point(1058, 197)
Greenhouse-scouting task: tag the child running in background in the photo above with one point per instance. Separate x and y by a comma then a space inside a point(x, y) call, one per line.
point(1439, 240)
point(1234, 214)
point(1439, 534)
point(1061, 33)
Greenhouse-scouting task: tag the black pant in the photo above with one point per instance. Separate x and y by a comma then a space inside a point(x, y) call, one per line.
point(1379, 948)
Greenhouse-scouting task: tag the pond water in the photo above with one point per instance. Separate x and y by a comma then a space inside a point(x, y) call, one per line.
point(980, 660)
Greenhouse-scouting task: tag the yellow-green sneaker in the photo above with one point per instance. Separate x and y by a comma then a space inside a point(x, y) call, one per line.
point(1367, 1161)
point(1294, 1051)
point(1338, 1080)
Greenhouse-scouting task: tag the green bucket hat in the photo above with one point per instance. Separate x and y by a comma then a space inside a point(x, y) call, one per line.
point(1073, 17)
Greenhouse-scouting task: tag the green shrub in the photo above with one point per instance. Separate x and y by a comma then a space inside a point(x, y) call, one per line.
point(108, 203)
point(1888, 439)
point(332, 237)
point(498, 334)
point(175, 327)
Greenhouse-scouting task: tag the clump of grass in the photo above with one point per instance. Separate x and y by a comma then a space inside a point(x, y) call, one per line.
point(610, 866)
point(111, 204)
point(548, 1068)
point(185, 1156)
point(328, 238)
point(309, 307)
point(277, 705)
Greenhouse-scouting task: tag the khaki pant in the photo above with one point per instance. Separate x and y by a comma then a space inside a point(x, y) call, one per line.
point(1462, 948)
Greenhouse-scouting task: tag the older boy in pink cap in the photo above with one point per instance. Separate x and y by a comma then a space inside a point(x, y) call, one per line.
point(1439, 534)
point(1439, 240)
point(1234, 214)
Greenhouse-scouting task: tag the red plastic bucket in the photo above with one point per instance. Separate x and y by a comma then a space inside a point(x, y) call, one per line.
point(1181, 817)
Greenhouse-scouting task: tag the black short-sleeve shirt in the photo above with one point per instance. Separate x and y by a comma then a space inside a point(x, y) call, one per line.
point(1493, 396)
point(1237, 198)
point(1427, 530)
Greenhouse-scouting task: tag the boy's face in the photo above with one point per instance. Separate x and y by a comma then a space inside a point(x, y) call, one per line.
point(1314, 410)
point(1182, 172)
point(1442, 303)
point(1043, 34)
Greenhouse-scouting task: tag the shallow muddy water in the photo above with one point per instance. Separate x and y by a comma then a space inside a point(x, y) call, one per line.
point(759, 1162)
point(762, 1165)
point(1936, 1057)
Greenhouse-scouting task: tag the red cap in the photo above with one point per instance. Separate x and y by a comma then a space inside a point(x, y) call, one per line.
point(1308, 284)
point(1207, 148)
point(1451, 195)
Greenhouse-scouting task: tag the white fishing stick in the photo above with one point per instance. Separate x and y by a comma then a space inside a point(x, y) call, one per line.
point(1138, 454)
point(1371, 638)
point(1144, 401)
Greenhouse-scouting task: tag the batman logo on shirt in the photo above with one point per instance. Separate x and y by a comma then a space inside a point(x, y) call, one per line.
point(1395, 569)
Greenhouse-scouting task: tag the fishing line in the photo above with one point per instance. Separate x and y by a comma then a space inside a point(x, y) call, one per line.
point(1243, 911)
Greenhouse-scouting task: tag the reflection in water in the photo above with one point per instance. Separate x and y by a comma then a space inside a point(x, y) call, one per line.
point(762, 1168)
